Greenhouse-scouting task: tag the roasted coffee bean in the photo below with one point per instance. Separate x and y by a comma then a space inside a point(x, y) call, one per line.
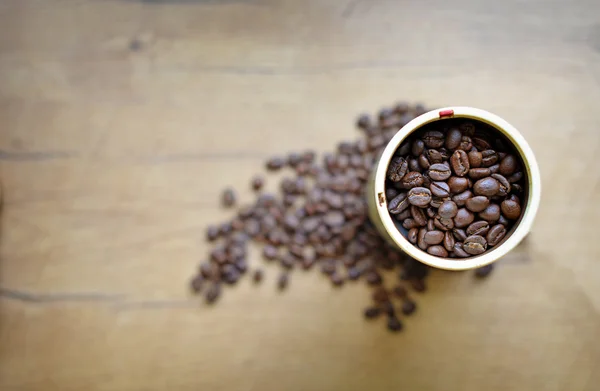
point(475, 159)
point(385, 113)
point(460, 163)
point(418, 285)
point(478, 173)
point(196, 283)
point(504, 185)
point(448, 241)
point(516, 188)
point(465, 144)
point(468, 128)
point(412, 179)
point(439, 172)
point(445, 224)
point(283, 281)
point(418, 146)
point(434, 156)
point(434, 237)
point(511, 209)
point(363, 121)
point(424, 162)
point(421, 239)
point(409, 223)
point(437, 251)
point(453, 138)
point(459, 234)
point(400, 291)
point(380, 295)
point(448, 209)
point(516, 177)
point(436, 202)
point(491, 213)
point(310, 224)
point(494, 169)
point(419, 196)
point(431, 224)
point(440, 189)
point(399, 203)
point(418, 216)
point(513, 197)
point(394, 324)
point(408, 307)
point(489, 157)
point(257, 276)
point(390, 193)
point(212, 232)
point(294, 159)
point(475, 245)
point(459, 251)
point(334, 219)
point(228, 198)
point(433, 139)
point(508, 165)
point(463, 218)
point(275, 163)
point(480, 228)
point(373, 278)
point(477, 204)
point(213, 293)
point(336, 279)
point(487, 187)
point(503, 220)
point(496, 234)
point(413, 165)
point(412, 235)
point(458, 184)
point(397, 169)
point(461, 198)
point(372, 312)
point(405, 214)
point(481, 143)
point(484, 271)
point(430, 212)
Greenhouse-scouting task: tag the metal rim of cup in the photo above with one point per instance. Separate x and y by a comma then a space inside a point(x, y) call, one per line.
point(385, 225)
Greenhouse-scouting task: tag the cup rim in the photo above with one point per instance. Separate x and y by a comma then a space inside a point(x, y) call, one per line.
point(530, 167)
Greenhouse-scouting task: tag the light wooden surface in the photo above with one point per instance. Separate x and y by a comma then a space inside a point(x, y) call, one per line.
point(112, 160)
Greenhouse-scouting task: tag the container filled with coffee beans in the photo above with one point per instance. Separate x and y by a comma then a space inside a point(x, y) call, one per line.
point(456, 188)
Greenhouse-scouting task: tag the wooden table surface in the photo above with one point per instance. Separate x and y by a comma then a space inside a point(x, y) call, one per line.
point(121, 121)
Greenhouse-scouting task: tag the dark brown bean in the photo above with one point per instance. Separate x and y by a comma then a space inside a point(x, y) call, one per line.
point(440, 189)
point(459, 234)
point(257, 276)
point(437, 251)
point(408, 307)
point(491, 213)
point(434, 237)
point(508, 165)
point(213, 293)
point(457, 184)
point(372, 312)
point(511, 209)
point(494, 169)
point(448, 241)
point(196, 283)
point(434, 156)
point(480, 228)
point(475, 245)
point(212, 232)
point(423, 162)
point(421, 239)
point(461, 198)
point(463, 218)
point(487, 187)
point(444, 224)
point(448, 209)
point(459, 251)
point(397, 168)
point(405, 214)
point(504, 185)
point(478, 173)
point(283, 281)
point(489, 157)
point(439, 172)
point(465, 144)
point(475, 159)
point(228, 198)
point(453, 138)
point(275, 163)
point(484, 271)
point(433, 139)
point(409, 223)
point(412, 235)
point(418, 216)
point(419, 196)
point(477, 204)
point(334, 219)
point(413, 165)
point(496, 234)
point(394, 324)
point(418, 146)
point(460, 163)
point(411, 179)
point(373, 278)
point(503, 220)
point(430, 212)
point(516, 177)
point(398, 204)
point(481, 143)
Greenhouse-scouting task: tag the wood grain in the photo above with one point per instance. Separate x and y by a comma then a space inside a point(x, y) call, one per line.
point(120, 121)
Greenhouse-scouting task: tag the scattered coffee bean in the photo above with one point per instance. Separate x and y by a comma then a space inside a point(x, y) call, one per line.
point(484, 271)
point(460, 163)
point(408, 307)
point(480, 228)
point(394, 324)
point(275, 163)
point(257, 183)
point(412, 179)
point(257, 276)
point(283, 281)
point(213, 293)
point(197, 283)
point(372, 312)
point(475, 159)
point(228, 198)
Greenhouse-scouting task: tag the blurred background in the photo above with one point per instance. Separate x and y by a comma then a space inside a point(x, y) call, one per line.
point(121, 121)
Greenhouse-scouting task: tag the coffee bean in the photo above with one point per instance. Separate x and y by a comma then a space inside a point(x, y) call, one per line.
point(459, 251)
point(461, 198)
point(196, 283)
point(436, 202)
point(372, 312)
point(453, 138)
point(508, 165)
point(463, 218)
point(448, 241)
point(394, 324)
point(412, 179)
point(213, 293)
point(459, 234)
point(458, 184)
point(448, 209)
point(465, 144)
point(228, 198)
point(475, 159)
point(494, 169)
point(496, 234)
point(419, 196)
point(421, 239)
point(418, 216)
point(491, 213)
point(439, 172)
point(516, 177)
point(481, 143)
point(477, 204)
point(309, 224)
point(397, 169)
point(257, 276)
point(405, 214)
point(475, 245)
point(399, 203)
point(511, 209)
point(390, 193)
point(334, 219)
point(424, 162)
point(489, 157)
point(444, 224)
point(480, 228)
point(431, 224)
point(283, 281)
point(412, 235)
point(418, 146)
point(212, 232)
point(460, 163)
point(373, 278)
point(418, 285)
point(437, 251)
point(503, 220)
point(413, 165)
point(440, 189)
point(380, 295)
point(516, 188)
point(275, 163)
point(409, 223)
point(486, 187)
point(408, 307)
point(484, 271)
point(337, 279)
point(434, 237)
point(478, 173)
point(400, 291)
point(433, 139)
point(430, 212)
point(363, 121)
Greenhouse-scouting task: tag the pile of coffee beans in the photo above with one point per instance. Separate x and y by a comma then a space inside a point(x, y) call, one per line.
point(456, 187)
point(318, 220)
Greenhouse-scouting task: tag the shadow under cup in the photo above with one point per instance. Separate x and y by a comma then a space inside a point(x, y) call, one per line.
point(393, 231)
